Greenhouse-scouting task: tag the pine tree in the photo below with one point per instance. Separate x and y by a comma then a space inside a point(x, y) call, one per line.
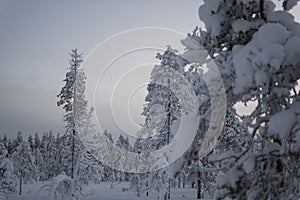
point(19, 137)
point(64, 156)
point(162, 98)
point(123, 143)
point(38, 160)
point(89, 130)
point(30, 141)
point(37, 141)
point(163, 107)
point(49, 152)
point(72, 99)
point(23, 162)
point(255, 67)
point(7, 178)
point(10, 146)
point(5, 141)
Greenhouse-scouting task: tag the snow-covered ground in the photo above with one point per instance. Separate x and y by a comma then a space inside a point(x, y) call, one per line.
point(103, 191)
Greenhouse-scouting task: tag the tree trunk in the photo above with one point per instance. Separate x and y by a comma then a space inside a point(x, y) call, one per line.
point(262, 12)
point(165, 196)
point(73, 154)
point(74, 125)
point(20, 188)
point(199, 186)
point(169, 189)
point(147, 192)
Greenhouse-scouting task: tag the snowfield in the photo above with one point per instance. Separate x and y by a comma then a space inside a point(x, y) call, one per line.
point(103, 191)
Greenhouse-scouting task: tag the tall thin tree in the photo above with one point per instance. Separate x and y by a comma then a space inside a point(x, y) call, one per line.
point(72, 98)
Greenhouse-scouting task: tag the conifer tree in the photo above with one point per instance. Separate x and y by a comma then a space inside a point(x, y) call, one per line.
point(72, 99)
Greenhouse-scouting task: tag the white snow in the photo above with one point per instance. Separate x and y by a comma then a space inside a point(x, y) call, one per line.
point(284, 18)
point(282, 123)
point(213, 5)
point(103, 191)
point(272, 33)
point(212, 21)
point(230, 180)
point(275, 55)
point(292, 50)
point(244, 70)
point(269, 50)
point(249, 164)
point(261, 77)
point(190, 43)
point(195, 56)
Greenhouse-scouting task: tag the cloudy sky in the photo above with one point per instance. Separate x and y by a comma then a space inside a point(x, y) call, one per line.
point(36, 37)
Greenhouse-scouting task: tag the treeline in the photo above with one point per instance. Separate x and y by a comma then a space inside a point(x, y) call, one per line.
point(44, 156)
point(40, 158)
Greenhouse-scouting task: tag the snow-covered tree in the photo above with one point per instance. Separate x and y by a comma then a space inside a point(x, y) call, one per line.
point(20, 137)
point(89, 169)
point(7, 178)
point(30, 141)
point(162, 104)
point(89, 130)
point(72, 98)
point(64, 157)
point(165, 101)
point(23, 163)
point(62, 187)
point(38, 160)
point(107, 151)
point(5, 141)
point(37, 141)
point(257, 65)
point(123, 143)
point(232, 141)
point(135, 183)
point(49, 150)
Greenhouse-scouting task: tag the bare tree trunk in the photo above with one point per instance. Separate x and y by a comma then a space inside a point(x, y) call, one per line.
point(261, 7)
point(20, 187)
point(193, 184)
point(165, 196)
point(168, 139)
point(147, 192)
point(138, 190)
point(169, 189)
point(73, 154)
point(199, 185)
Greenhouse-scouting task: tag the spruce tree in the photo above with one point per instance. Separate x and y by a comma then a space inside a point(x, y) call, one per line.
point(72, 99)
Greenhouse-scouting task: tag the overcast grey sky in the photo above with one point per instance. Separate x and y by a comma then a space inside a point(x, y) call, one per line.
point(36, 37)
